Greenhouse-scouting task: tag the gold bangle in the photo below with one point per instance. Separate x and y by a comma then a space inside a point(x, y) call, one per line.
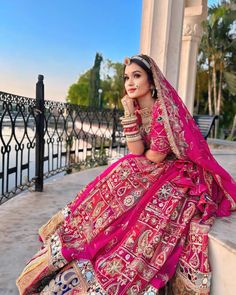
point(133, 134)
point(128, 120)
point(133, 138)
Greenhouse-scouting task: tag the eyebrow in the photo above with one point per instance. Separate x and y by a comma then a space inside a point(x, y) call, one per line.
point(137, 71)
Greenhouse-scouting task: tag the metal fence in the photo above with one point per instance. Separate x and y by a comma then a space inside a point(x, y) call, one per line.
point(39, 138)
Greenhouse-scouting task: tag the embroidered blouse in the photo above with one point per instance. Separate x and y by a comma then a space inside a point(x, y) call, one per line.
point(154, 135)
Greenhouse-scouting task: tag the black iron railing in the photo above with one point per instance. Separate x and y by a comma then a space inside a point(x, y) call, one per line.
point(39, 138)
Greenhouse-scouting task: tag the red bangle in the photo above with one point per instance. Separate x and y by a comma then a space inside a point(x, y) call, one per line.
point(130, 129)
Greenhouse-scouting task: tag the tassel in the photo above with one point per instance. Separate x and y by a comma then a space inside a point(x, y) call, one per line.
point(51, 226)
point(37, 268)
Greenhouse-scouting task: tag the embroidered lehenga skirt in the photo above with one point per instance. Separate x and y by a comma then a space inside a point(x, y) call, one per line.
point(134, 228)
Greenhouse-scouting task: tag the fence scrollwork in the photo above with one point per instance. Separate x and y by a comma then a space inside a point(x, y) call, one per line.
point(73, 136)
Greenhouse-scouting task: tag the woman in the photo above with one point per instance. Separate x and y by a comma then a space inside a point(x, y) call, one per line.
point(144, 221)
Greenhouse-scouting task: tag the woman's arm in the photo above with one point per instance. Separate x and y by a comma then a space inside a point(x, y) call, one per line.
point(136, 147)
point(154, 156)
point(131, 129)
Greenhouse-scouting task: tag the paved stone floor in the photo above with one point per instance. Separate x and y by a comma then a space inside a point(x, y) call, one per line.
point(21, 217)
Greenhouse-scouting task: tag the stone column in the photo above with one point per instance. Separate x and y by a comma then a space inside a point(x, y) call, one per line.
point(161, 32)
point(194, 13)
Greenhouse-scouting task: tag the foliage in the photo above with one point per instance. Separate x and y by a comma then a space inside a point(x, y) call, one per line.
point(79, 92)
point(85, 91)
point(201, 92)
point(112, 84)
point(99, 158)
point(216, 64)
point(94, 81)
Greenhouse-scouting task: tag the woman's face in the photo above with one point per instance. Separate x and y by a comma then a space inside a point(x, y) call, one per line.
point(136, 81)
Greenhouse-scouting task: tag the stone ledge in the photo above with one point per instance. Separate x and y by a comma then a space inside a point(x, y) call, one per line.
point(222, 255)
point(223, 232)
point(221, 142)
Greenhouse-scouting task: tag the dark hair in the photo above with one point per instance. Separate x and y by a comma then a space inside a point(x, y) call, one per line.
point(145, 68)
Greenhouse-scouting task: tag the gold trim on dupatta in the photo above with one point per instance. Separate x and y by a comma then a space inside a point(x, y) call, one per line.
point(162, 93)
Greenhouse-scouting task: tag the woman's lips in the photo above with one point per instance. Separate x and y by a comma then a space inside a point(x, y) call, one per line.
point(131, 89)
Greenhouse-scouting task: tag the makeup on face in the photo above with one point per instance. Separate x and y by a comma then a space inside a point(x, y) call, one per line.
point(136, 81)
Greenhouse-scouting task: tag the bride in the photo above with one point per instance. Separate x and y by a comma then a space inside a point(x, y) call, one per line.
point(142, 225)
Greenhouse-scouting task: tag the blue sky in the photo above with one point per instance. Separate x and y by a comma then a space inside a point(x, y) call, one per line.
point(59, 39)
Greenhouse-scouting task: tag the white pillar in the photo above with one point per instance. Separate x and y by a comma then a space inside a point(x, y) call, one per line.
point(161, 32)
point(195, 12)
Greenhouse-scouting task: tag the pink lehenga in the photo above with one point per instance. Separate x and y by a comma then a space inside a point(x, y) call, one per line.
point(139, 225)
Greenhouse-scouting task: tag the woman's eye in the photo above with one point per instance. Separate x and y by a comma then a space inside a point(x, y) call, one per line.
point(136, 75)
point(125, 78)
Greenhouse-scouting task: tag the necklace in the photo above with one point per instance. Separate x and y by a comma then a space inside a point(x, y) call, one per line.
point(146, 115)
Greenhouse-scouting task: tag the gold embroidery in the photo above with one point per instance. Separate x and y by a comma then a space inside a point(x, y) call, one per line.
point(143, 240)
point(98, 209)
point(113, 267)
point(233, 204)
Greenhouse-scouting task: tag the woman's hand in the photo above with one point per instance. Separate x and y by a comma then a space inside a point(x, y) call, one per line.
point(154, 156)
point(135, 147)
point(128, 105)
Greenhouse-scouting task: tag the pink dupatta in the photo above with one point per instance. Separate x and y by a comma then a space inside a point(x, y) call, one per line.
point(187, 143)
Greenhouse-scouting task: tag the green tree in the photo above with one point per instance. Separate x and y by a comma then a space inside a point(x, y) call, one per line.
point(112, 84)
point(201, 91)
point(79, 92)
point(85, 90)
point(217, 51)
point(94, 83)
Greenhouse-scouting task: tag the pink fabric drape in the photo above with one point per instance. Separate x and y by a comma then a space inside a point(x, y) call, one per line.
point(187, 142)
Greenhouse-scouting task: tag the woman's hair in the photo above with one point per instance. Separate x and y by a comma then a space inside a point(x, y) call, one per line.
point(142, 60)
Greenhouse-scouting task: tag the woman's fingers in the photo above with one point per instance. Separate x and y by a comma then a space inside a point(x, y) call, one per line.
point(128, 104)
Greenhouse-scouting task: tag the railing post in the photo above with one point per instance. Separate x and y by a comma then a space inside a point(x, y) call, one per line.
point(114, 128)
point(39, 153)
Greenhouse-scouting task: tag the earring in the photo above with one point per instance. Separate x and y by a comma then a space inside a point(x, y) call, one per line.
point(153, 92)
